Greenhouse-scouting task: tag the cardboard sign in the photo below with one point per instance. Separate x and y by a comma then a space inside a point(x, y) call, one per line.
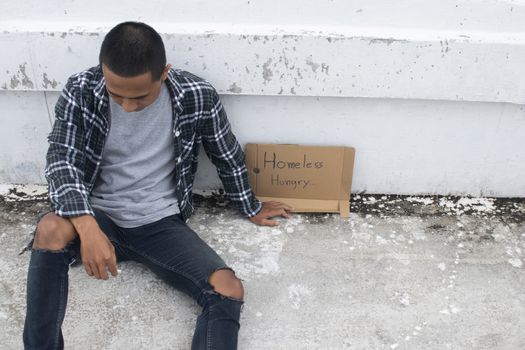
point(308, 178)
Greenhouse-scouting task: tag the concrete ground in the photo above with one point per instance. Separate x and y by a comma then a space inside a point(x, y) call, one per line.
point(400, 273)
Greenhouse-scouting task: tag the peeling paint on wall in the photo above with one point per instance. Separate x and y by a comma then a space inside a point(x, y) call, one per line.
point(267, 72)
point(315, 63)
point(14, 82)
point(235, 89)
point(21, 78)
point(387, 41)
point(47, 82)
point(312, 64)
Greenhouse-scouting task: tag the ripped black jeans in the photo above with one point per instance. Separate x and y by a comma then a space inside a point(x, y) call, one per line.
point(169, 248)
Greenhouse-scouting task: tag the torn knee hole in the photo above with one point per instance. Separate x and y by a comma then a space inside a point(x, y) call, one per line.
point(231, 293)
point(229, 288)
point(50, 248)
point(223, 296)
point(47, 251)
point(54, 248)
point(224, 283)
point(49, 242)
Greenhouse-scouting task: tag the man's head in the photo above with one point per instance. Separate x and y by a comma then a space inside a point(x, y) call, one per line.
point(133, 60)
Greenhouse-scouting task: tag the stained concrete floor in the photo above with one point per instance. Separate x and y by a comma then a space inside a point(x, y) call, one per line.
point(400, 273)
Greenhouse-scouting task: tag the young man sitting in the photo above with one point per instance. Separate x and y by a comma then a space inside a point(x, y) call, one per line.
point(120, 167)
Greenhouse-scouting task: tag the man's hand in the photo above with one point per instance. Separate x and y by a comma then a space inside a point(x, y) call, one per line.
point(269, 210)
point(96, 250)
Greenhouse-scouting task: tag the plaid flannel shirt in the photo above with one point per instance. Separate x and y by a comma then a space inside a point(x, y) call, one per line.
point(82, 124)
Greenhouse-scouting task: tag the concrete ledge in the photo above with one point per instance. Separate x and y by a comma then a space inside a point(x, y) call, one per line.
point(378, 62)
point(403, 146)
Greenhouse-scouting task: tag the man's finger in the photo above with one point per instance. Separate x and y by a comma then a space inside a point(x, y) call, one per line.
point(281, 212)
point(287, 207)
point(112, 263)
point(276, 212)
point(266, 222)
point(88, 269)
point(112, 266)
point(102, 273)
point(94, 269)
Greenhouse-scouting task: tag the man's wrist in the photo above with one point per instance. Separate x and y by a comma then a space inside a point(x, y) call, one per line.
point(257, 210)
point(83, 224)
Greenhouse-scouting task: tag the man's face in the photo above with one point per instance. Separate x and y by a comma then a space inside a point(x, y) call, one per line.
point(133, 93)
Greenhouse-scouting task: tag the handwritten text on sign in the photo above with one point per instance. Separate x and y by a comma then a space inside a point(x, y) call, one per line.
point(271, 161)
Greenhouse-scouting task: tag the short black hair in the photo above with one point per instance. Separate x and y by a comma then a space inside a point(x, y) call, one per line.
point(133, 48)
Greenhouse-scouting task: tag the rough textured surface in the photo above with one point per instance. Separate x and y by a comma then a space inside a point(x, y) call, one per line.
point(400, 273)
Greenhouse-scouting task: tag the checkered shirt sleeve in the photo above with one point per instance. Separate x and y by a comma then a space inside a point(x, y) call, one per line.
point(226, 154)
point(65, 160)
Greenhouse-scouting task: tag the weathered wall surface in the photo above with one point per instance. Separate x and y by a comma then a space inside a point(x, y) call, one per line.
point(431, 94)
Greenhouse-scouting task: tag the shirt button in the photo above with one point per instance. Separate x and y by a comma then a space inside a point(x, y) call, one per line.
point(177, 133)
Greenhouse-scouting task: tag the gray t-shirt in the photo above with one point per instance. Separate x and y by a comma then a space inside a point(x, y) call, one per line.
point(136, 184)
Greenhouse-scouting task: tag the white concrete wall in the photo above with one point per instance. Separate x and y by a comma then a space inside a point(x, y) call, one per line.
point(431, 93)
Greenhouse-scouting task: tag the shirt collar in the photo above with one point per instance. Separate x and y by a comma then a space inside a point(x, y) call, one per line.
point(100, 92)
point(176, 91)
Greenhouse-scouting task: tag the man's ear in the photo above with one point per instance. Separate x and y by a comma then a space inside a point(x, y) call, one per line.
point(165, 72)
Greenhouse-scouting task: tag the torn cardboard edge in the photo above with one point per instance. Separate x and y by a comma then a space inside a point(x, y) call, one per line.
point(308, 178)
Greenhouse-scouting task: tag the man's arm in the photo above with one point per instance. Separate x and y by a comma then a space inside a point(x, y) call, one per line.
point(67, 192)
point(65, 157)
point(226, 154)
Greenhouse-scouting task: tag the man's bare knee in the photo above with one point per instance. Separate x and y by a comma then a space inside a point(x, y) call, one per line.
point(227, 284)
point(53, 233)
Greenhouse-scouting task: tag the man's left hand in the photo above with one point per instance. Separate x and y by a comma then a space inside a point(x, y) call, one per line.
point(270, 210)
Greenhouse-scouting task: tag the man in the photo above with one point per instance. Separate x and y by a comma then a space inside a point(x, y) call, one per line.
point(120, 166)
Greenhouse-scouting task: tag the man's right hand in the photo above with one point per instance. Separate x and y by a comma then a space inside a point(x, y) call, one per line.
point(96, 251)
